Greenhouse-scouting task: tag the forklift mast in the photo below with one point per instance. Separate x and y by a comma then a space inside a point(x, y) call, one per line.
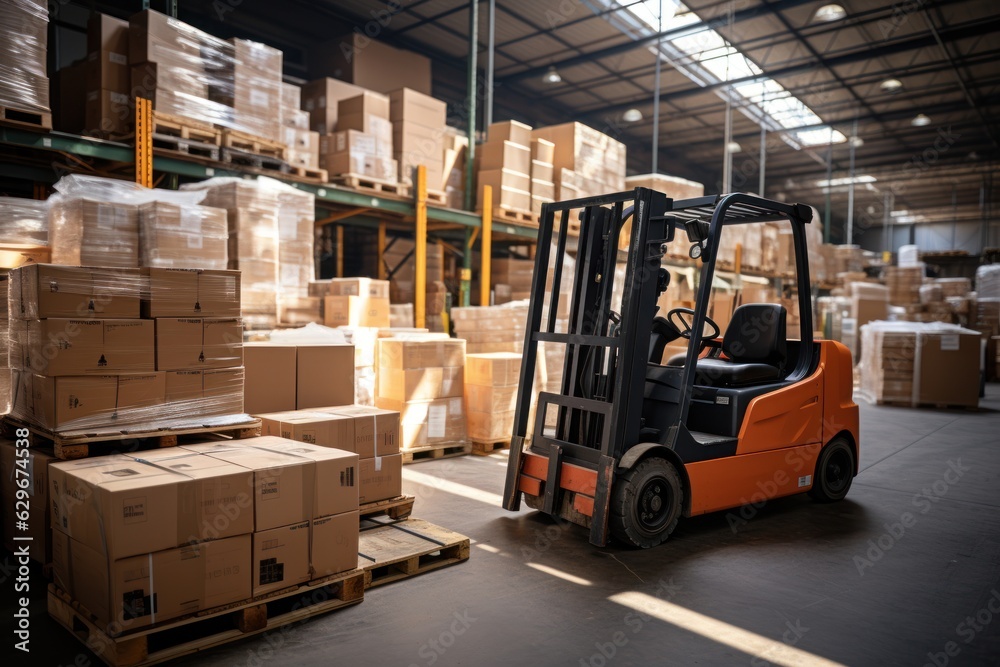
point(598, 412)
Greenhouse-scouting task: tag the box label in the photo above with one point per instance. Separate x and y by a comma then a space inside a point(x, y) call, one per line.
point(805, 480)
point(949, 343)
point(437, 418)
point(270, 489)
point(134, 510)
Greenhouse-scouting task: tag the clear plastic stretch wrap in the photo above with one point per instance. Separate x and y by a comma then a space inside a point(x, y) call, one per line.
point(235, 83)
point(95, 221)
point(24, 221)
point(296, 236)
point(988, 281)
point(24, 27)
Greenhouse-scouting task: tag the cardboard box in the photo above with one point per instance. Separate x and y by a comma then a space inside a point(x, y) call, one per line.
point(381, 478)
point(40, 291)
point(150, 588)
point(280, 558)
point(371, 64)
point(270, 377)
point(34, 468)
point(320, 98)
point(317, 428)
point(357, 164)
point(428, 422)
point(355, 311)
point(420, 383)
point(356, 143)
point(107, 33)
point(490, 399)
point(542, 173)
point(283, 484)
point(406, 354)
point(542, 150)
point(87, 402)
point(505, 155)
point(365, 103)
point(198, 343)
point(490, 427)
point(190, 293)
point(155, 37)
point(369, 287)
point(115, 505)
point(204, 393)
point(109, 71)
point(334, 482)
point(493, 369)
point(376, 431)
point(509, 130)
point(324, 375)
point(214, 497)
point(334, 544)
point(511, 190)
point(949, 367)
point(368, 123)
point(413, 106)
point(60, 347)
point(184, 237)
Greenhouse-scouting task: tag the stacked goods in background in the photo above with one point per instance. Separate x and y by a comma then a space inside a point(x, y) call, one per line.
point(257, 210)
point(586, 162)
point(353, 302)
point(96, 221)
point(302, 142)
point(675, 188)
point(296, 256)
point(543, 188)
point(904, 285)
point(505, 165)
point(920, 364)
point(24, 84)
point(869, 303)
point(370, 433)
point(401, 263)
point(102, 80)
point(371, 64)
point(24, 231)
point(418, 128)
point(511, 279)
point(456, 145)
point(492, 328)
point(261, 515)
point(297, 374)
point(422, 378)
point(77, 332)
point(491, 380)
point(362, 144)
point(320, 100)
point(234, 84)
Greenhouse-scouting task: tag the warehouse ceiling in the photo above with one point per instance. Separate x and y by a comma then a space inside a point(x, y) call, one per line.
point(789, 66)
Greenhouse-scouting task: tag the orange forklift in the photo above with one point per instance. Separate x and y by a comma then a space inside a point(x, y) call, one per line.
point(632, 442)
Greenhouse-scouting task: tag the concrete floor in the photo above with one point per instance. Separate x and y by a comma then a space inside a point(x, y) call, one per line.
point(890, 576)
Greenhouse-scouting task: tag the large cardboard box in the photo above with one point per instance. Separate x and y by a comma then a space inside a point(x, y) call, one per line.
point(948, 367)
point(324, 376)
point(414, 106)
point(369, 287)
point(320, 98)
point(59, 347)
point(367, 102)
point(116, 505)
point(490, 399)
point(428, 422)
point(334, 481)
point(376, 431)
point(406, 354)
point(280, 557)
point(510, 130)
point(198, 343)
point(420, 383)
point(34, 469)
point(355, 311)
point(493, 369)
point(155, 37)
point(318, 428)
point(270, 377)
point(334, 544)
point(131, 593)
point(371, 64)
point(39, 291)
point(186, 237)
point(85, 402)
point(381, 478)
point(190, 293)
point(204, 393)
point(108, 70)
point(505, 155)
point(107, 112)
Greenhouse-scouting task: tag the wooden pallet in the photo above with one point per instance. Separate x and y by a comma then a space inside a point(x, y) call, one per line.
point(320, 175)
point(181, 147)
point(398, 508)
point(97, 442)
point(39, 120)
point(447, 450)
point(392, 551)
point(222, 625)
point(242, 158)
point(487, 447)
point(437, 197)
point(522, 218)
point(372, 185)
point(250, 143)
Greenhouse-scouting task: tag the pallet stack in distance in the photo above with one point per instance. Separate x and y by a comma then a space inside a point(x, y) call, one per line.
point(505, 166)
point(362, 145)
point(491, 380)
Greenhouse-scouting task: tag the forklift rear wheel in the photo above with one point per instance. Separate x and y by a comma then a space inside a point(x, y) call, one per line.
point(834, 472)
point(646, 503)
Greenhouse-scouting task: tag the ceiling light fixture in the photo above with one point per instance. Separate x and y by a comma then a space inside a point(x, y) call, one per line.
point(552, 76)
point(829, 13)
point(733, 147)
point(920, 120)
point(632, 116)
point(838, 182)
point(855, 142)
point(891, 86)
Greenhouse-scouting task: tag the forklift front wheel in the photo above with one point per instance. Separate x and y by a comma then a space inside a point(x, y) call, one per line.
point(646, 503)
point(834, 472)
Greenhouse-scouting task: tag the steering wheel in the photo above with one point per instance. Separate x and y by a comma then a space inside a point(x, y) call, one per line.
point(683, 326)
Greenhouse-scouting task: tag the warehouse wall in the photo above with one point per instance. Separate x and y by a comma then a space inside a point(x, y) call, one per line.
point(965, 236)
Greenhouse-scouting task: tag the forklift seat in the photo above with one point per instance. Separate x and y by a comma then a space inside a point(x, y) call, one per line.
point(756, 347)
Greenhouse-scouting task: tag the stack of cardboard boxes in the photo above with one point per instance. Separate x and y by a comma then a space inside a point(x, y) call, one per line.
point(904, 284)
point(87, 231)
point(175, 236)
point(353, 302)
point(422, 379)
point(371, 64)
point(505, 164)
point(105, 79)
point(362, 145)
point(492, 328)
point(24, 227)
point(296, 259)
point(543, 188)
point(282, 377)
point(320, 100)
point(491, 381)
point(196, 527)
point(418, 122)
point(25, 84)
point(77, 333)
point(597, 161)
point(512, 279)
point(456, 144)
point(369, 433)
point(302, 142)
point(256, 90)
point(402, 287)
